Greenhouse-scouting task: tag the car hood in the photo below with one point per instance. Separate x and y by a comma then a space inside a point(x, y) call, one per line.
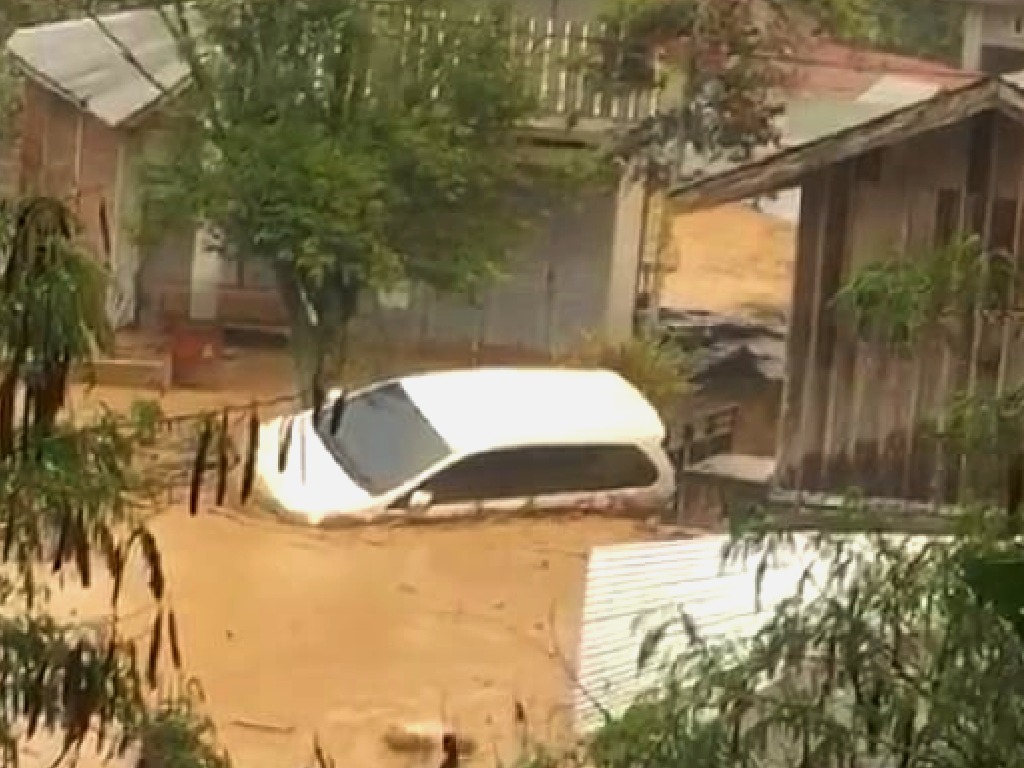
point(312, 486)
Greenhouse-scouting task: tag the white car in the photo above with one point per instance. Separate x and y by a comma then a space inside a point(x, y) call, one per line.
point(482, 440)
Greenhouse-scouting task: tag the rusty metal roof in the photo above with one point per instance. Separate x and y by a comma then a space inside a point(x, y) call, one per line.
point(79, 61)
point(870, 126)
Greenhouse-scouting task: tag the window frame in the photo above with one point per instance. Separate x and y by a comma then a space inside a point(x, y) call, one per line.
point(647, 474)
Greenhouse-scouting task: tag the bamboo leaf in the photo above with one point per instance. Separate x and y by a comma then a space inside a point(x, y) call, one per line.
point(222, 460)
point(285, 444)
point(172, 636)
point(252, 450)
point(151, 554)
point(199, 466)
point(155, 644)
point(80, 545)
point(650, 644)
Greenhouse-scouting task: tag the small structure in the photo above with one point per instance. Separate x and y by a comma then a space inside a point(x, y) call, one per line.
point(736, 361)
point(855, 414)
point(92, 120)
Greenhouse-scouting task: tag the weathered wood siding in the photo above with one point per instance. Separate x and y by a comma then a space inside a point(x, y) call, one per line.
point(856, 414)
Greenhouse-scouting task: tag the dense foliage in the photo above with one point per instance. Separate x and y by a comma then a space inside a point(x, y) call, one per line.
point(716, 65)
point(350, 145)
point(888, 657)
point(72, 500)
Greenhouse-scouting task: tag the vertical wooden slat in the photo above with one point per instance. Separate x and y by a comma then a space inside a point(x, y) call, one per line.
point(832, 249)
point(406, 36)
point(809, 379)
point(581, 70)
point(913, 416)
point(545, 76)
point(984, 147)
point(562, 101)
point(837, 395)
point(435, 90)
point(528, 47)
point(941, 482)
point(811, 199)
point(990, 190)
point(899, 400)
point(513, 38)
point(1010, 321)
point(598, 111)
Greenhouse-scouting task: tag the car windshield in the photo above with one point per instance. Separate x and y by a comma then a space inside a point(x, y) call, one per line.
point(384, 440)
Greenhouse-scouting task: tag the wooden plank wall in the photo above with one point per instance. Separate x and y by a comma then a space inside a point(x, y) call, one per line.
point(856, 414)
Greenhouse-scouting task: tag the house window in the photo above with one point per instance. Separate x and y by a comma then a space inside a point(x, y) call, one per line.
point(540, 470)
point(1018, 25)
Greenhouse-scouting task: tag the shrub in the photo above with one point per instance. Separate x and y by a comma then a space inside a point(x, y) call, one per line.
point(659, 369)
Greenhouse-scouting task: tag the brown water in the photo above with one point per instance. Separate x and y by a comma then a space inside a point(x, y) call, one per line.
point(343, 634)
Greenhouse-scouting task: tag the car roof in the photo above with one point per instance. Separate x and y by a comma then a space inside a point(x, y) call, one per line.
point(486, 408)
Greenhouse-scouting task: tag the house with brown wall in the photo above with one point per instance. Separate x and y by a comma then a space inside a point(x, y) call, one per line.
point(856, 414)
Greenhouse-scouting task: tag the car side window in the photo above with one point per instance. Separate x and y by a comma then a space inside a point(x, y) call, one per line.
point(540, 470)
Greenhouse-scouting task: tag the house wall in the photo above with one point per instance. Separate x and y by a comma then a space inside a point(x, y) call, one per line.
point(563, 283)
point(68, 154)
point(576, 274)
point(854, 413)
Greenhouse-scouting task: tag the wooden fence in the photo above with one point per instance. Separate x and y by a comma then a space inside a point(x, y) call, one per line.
point(559, 57)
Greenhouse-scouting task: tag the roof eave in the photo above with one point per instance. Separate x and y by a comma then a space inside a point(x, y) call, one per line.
point(46, 82)
point(788, 167)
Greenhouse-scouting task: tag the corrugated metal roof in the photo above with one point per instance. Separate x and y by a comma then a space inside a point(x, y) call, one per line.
point(727, 348)
point(78, 60)
point(632, 588)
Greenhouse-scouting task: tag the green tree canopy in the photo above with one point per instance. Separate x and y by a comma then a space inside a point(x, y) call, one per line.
point(716, 64)
point(350, 145)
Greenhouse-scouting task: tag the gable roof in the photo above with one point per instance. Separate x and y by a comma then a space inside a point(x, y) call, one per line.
point(776, 168)
point(78, 61)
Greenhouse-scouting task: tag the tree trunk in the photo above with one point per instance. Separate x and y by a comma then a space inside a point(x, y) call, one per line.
point(319, 331)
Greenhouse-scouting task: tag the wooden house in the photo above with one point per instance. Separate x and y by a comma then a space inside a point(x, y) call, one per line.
point(890, 186)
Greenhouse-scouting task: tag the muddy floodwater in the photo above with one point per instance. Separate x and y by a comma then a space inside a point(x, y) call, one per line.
point(294, 632)
point(342, 634)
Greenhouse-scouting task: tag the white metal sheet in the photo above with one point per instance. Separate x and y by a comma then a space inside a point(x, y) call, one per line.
point(632, 588)
point(79, 60)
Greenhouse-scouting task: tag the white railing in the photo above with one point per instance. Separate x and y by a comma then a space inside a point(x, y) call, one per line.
point(558, 57)
point(558, 65)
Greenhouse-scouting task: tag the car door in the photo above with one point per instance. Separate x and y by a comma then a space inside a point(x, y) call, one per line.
point(542, 477)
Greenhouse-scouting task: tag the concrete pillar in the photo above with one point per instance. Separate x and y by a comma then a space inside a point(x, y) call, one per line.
point(627, 250)
point(970, 57)
point(206, 263)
